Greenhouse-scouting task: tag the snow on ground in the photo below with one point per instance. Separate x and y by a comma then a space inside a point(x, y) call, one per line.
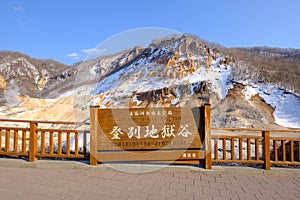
point(249, 91)
point(151, 77)
point(217, 76)
point(286, 105)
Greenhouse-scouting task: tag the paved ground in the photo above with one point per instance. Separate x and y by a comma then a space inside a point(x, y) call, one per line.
point(74, 180)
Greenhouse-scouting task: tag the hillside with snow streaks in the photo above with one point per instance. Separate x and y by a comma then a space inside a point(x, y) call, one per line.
point(166, 65)
point(179, 70)
point(286, 105)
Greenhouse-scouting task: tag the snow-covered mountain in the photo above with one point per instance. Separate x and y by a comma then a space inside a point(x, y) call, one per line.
point(22, 75)
point(166, 72)
point(179, 70)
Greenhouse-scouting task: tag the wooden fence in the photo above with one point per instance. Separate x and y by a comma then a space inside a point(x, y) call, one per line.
point(250, 146)
point(27, 139)
point(228, 145)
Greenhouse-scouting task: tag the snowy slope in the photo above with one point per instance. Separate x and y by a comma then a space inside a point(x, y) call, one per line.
point(286, 105)
point(147, 73)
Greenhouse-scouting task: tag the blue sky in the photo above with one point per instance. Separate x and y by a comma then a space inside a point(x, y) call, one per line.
point(66, 30)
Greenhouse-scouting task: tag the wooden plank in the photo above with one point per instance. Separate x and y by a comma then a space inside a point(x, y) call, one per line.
point(33, 142)
point(285, 138)
point(232, 149)
point(298, 151)
point(240, 161)
point(24, 139)
point(266, 149)
point(285, 163)
point(207, 135)
point(224, 148)
point(43, 142)
point(283, 149)
point(68, 141)
point(51, 143)
point(0, 140)
point(256, 149)
point(248, 149)
point(56, 130)
point(59, 142)
point(54, 155)
point(240, 148)
point(16, 137)
point(7, 141)
point(291, 150)
point(216, 148)
point(237, 137)
point(275, 150)
point(14, 128)
point(93, 134)
point(76, 143)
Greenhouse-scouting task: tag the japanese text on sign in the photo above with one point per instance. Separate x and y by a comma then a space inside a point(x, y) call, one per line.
point(167, 131)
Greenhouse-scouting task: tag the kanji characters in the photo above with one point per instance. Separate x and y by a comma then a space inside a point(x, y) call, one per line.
point(134, 131)
point(151, 132)
point(184, 132)
point(115, 132)
point(168, 131)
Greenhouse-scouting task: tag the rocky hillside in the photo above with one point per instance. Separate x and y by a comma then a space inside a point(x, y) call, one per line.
point(22, 75)
point(180, 70)
point(280, 67)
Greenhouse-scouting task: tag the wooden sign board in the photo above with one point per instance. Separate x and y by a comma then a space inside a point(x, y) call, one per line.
point(150, 134)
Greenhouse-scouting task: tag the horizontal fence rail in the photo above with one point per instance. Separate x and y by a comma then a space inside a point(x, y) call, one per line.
point(25, 138)
point(252, 146)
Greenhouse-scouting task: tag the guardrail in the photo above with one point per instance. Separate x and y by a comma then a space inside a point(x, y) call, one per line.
point(35, 142)
point(228, 145)
point(252, 146)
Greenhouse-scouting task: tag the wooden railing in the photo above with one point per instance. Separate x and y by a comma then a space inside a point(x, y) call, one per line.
point(23, 138)
point(250, 146)
point(10, 145)
point(34, 142)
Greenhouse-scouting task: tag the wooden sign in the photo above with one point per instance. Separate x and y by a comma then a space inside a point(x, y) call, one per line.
point(150, 134)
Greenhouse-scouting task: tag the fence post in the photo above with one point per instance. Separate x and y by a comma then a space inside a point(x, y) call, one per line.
point(33, 142)
point(208, 161)
point(93, 133)
point(266, 149)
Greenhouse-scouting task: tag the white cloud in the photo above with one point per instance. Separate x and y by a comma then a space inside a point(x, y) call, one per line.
point(73, 55)
point(17, 8)
point(93, 51)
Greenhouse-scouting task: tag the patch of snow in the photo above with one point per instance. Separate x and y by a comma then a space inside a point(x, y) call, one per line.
point(286, 105)
point(182, 58)
point(175, 101)
point(136, 100)
point(93, 69)
point(249, 92)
